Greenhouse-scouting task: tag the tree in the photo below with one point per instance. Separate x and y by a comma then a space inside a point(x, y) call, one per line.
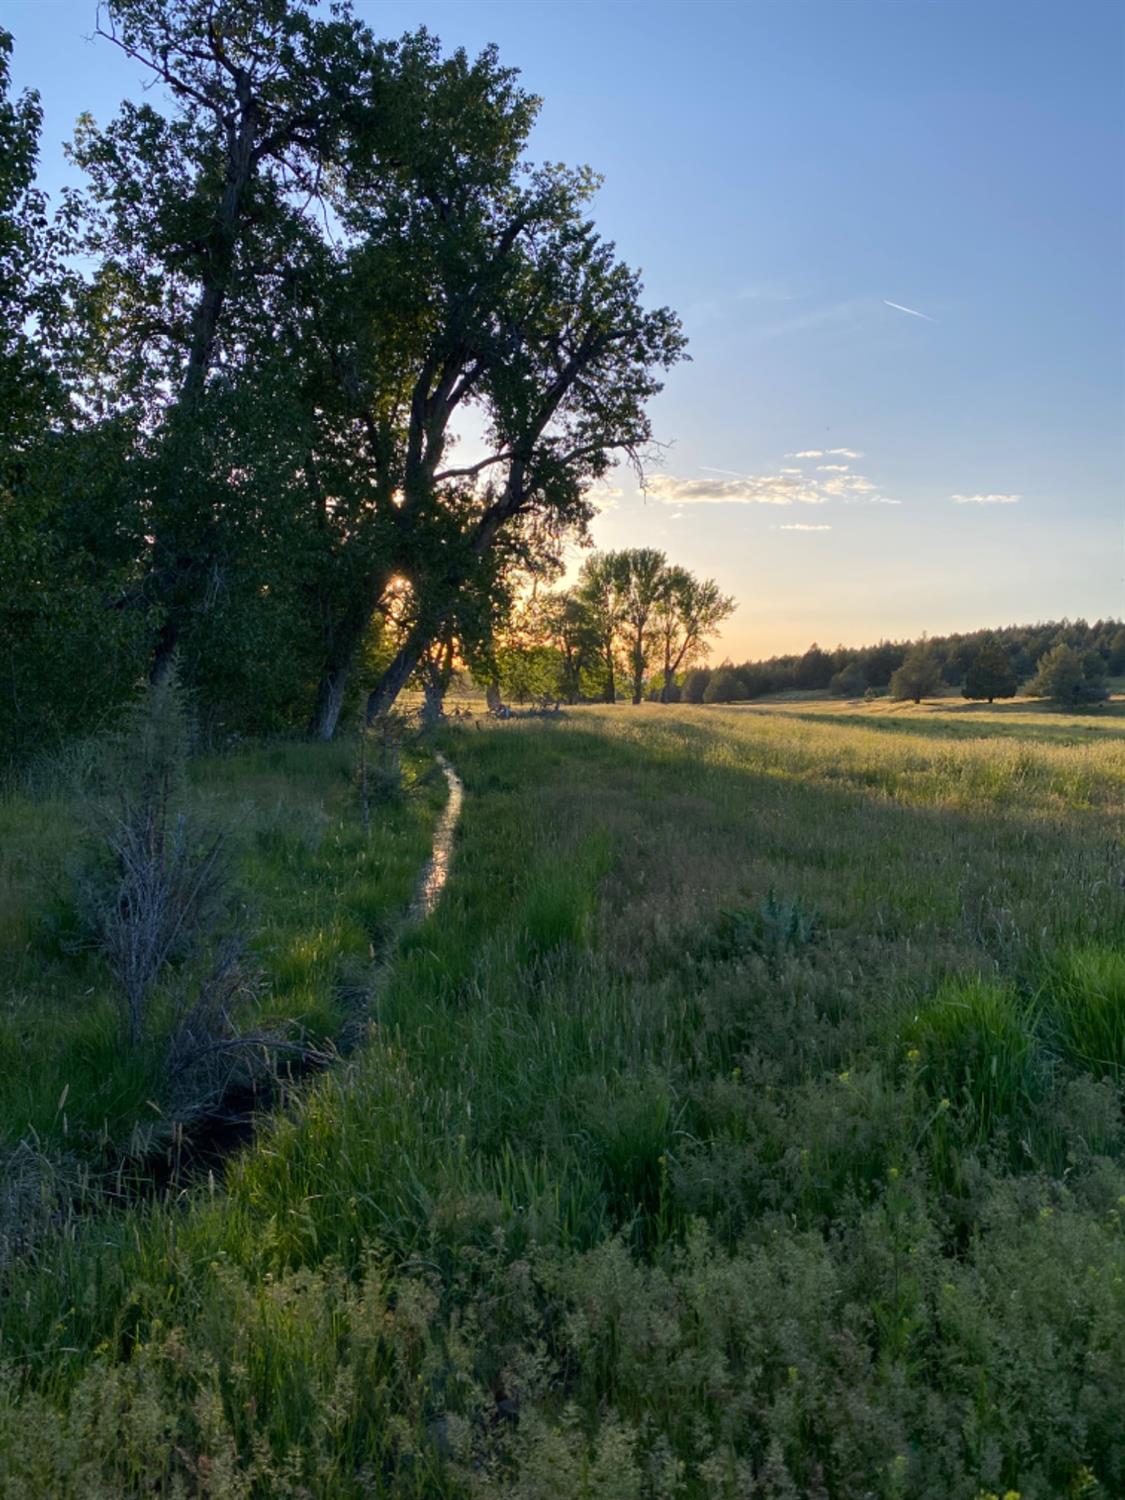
point(1068, 678)
point(725, 686)
point(814, 670)
point(849, 681)
point(564, 396)
point(65, 658)
point(567, 626)
point(643, 575)
point(919, 676)
point(601, 596)
point(193, 219)
point(689, 613)
point(989, 673)
point(695, 685)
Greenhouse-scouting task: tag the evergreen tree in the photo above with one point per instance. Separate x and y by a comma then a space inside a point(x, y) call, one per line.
point(989, 674)
point(1069, 679)
point(919, 676)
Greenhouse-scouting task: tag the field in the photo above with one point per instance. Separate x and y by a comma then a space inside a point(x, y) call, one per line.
point(746, 1121)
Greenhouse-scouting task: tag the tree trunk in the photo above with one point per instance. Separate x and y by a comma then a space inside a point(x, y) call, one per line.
point(394, 679)
point(433, 702)
point(164, 651)
point(329, 702)
point(665, 691)
point(638, 667)
point(342, 638)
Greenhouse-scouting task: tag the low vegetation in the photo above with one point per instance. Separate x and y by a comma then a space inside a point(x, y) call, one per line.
point(168, 946)
point(747, 1120)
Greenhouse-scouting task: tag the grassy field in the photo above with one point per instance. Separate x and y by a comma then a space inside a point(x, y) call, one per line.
point(747, 1121)
point(309, 892)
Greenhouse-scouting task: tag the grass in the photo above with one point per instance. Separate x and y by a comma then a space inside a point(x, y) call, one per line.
point(316, 895)
point(746, 1120)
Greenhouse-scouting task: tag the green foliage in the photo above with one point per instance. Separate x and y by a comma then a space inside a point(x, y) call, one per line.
point(979, 1055)
point(772, 928)
point(1083, 1001)
point(849, 681)
point(1068, 678)
point(725, 686)
point(990, 674)
point(919, 676)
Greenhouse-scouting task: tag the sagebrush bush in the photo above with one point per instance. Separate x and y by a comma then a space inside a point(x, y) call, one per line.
point(156, 883)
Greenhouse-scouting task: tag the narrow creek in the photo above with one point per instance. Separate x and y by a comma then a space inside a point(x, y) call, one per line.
point(435, 872)
point(207, 1145)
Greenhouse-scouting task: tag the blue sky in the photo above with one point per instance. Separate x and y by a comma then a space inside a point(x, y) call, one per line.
point(782, 170)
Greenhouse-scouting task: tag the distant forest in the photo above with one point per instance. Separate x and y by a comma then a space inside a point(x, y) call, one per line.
point(851, 671)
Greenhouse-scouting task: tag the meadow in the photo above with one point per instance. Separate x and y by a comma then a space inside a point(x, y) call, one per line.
point(745, 1121)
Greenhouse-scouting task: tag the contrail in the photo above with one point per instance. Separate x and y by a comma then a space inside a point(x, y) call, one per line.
point(711, 469)
point(913, 311)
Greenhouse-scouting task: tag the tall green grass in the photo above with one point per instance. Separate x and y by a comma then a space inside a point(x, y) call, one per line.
point(604, 1207)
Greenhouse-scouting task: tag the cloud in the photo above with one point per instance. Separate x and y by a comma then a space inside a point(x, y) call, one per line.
point(883, 500)
point(985, 499)
point(803, 526)
point(826, 453)
point(749, 489)
point(789, 471)
point(913, 311)
point(832, 468)
point(844, 486)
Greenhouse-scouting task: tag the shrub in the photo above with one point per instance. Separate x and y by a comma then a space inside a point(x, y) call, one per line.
point(771, 928)
point(156, 885)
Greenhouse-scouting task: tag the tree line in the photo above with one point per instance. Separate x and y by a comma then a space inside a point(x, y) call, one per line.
point(234, 365)
point(1078, 657)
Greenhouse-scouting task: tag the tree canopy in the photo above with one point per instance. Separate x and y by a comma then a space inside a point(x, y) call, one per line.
point(309, 260)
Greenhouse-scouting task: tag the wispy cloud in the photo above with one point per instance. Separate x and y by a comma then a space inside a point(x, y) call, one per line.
point(826, 453)
point(985, 499)
point(747, 489)
point(838, 317)
point(803, 526)
point(848, 485)
point(913, 311)
point(831, 468)
point(606, 496)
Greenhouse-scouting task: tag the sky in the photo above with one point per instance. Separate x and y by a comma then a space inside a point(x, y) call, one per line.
point(895, 233)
